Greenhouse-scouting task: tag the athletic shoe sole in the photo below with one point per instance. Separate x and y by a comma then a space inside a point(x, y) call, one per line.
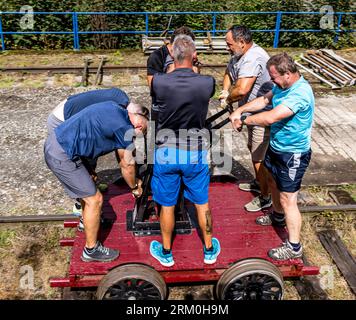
point(94, 260)
point(212, 261)
point(165, 264)
point(259, 209)
point(249, 190)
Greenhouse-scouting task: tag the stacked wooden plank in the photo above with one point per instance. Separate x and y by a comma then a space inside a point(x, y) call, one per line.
point(208, 44)
point(328, 67)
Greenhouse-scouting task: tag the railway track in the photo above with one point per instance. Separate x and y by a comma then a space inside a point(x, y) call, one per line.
point(305, 210)
point(91, 69)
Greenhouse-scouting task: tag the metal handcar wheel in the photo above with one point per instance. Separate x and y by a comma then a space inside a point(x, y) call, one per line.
point(132, 282)
point(250, 279)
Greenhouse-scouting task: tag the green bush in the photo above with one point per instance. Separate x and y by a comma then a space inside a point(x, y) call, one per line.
point(158, 23)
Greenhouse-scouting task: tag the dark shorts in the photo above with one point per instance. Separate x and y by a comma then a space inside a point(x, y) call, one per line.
point(73, 175)
point(287, 168)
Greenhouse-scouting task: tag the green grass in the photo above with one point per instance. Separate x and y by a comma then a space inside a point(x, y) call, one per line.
point(6, 236)
point(6, 82)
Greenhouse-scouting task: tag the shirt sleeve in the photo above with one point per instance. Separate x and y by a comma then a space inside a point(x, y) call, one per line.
point(250, 68)
point(154, 63)
point(294, 102)
point(124, 136)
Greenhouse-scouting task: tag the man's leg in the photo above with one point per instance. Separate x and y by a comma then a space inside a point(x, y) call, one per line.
point(163, 252)
point(258, 141)
point(277, 216)
point(261, 177)
point(167, 226)
point(211, 245)
point(293, 217)
point(275, 193)
point(205, 222)
point(91, 218)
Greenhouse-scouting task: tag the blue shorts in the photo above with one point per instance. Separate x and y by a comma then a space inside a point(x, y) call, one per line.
point(173, 167)
point(287, 168)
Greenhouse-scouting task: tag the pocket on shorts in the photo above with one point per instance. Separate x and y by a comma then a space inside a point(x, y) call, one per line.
point(293, 164)
point(51, 161)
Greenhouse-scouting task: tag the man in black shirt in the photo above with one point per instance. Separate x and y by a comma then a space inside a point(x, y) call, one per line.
point(182, 98)
point(161, 60)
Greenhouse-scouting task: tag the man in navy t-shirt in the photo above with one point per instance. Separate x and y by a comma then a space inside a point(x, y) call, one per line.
point(77, 102)
point(96, 130)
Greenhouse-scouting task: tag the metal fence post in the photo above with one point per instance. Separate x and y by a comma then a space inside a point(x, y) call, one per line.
point(75, 31)
point(214, 24)
point(2, 35)
point(278, 27)
point(338, 27)
point(146, 24)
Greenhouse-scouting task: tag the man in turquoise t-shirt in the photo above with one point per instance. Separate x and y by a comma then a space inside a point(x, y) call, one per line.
point(289, 152)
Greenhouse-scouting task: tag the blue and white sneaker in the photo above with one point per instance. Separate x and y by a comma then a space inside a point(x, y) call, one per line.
point(156, 250)
point(211, 256)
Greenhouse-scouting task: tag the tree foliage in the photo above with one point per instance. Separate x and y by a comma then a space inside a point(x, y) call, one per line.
point(158, 23)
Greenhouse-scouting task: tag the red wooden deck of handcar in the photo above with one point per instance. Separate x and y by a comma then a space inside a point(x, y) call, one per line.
point(240, 238)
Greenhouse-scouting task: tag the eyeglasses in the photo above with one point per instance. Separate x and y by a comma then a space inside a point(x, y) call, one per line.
point(281, 75)
point(143, 115)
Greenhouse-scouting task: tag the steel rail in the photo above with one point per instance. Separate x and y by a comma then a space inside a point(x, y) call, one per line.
point(62, 217)
point(92, 69)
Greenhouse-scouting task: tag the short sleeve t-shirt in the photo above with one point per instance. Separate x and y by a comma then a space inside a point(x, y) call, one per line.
point(80, 101)
point(182, 99)
point(252, 64)
point(95, 131)
point(293, 134)
point(158, 61)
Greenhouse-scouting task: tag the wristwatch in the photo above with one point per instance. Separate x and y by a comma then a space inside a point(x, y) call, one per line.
point(134, 188)
point(242, 118)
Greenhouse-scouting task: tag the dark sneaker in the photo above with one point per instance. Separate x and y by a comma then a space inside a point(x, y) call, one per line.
point(250, 186)
point(156, 250)
point(285, 252)
point(211, 256)
point(258, 203)
point(269, 220)
point(77, 208)
point(100, 254)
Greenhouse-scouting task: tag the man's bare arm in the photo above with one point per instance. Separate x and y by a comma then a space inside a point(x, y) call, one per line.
point(241, 88)
point(128, 166)
point(265, 118)
point(252, 106)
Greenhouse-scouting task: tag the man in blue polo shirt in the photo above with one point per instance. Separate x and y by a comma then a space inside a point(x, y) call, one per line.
point(75, 103)
point(289, 152)
point(96, 130)
point(182, 98)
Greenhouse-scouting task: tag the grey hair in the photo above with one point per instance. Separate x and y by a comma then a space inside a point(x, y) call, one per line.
point(241, 33)
point(136, 108)
point(183, 48)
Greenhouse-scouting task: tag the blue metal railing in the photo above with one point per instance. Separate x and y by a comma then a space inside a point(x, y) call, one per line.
point(76, 31)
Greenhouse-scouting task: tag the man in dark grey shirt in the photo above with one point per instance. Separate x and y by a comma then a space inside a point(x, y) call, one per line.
point(246, 78)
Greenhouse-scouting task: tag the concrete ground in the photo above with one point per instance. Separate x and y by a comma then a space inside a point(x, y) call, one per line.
point(333, 143)
point(28, 187)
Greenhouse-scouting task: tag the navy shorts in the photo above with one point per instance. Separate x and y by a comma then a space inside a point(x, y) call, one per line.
point(173, 167)
point(287, 168)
